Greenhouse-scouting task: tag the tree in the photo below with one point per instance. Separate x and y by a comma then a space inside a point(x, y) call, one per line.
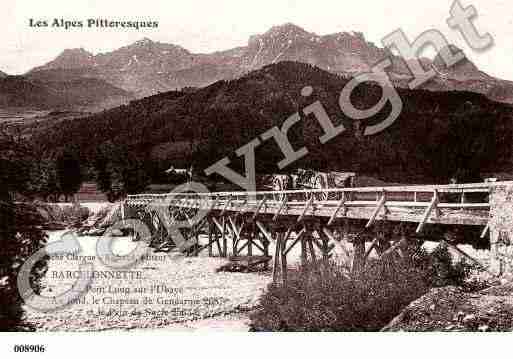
point(51, 187)
point(102, 171)
point(20, 230)
point(134, 175)
point(43, 180)
point(119, 171)
point(69, 172)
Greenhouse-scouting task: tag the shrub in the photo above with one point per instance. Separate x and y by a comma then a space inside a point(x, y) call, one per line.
point(444, 271)
point(74, 214)
point(325, 297)
point(20, 237)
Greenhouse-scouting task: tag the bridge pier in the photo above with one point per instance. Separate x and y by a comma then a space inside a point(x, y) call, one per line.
point(501, 230)
point(210, 238)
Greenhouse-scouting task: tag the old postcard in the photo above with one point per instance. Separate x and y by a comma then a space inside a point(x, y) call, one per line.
point(201, 166)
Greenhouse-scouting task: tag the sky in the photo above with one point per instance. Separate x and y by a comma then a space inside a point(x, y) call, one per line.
point(211, 25)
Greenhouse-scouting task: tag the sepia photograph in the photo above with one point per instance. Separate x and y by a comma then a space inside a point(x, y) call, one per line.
point(254, 167)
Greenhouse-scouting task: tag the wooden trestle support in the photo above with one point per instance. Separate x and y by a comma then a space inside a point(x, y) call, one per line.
point(389, 221)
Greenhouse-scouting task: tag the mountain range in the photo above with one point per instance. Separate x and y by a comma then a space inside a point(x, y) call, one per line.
point(147, 67)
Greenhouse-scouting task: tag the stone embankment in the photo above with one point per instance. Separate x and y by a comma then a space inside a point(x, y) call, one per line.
point(456, 310)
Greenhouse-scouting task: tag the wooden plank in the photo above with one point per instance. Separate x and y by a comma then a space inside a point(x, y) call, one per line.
point(210, 252)
point(460, 251)
point(467, 206)
point(264, 231)
point(251, 234)
point(226, 205)
point(258, 246)
point(312, 250)
point(454, 188)
point(485, 230)
point(428, 211)
point(298, 238)
point(288, 233)
point(327, 232)
point(197, 248)
point(340, 206)
point(266, 253)
point(236, 235)
point(242, 207)
point(235, 248)
point(308, 204)
point(218, 244)
point(276, 265)
point(244, 246)
point(234, 226)
point(282, 205)
point(237, 231)
point(378, 208)
point(218, 225)
point(283, 260)
point(259, 207)
point(371, 247)
point(224, 239)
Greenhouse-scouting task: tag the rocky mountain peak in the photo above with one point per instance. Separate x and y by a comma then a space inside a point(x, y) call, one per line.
point(73, 58)
point(144, 41)
point(147, 46)
point(79, 51)
point(281, 34)
point(287, 29)
point(462, 70)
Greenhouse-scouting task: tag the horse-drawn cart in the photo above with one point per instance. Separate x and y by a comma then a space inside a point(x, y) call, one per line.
point(310, 179)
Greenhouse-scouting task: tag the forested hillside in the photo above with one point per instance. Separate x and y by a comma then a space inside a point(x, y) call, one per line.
point(71, 92)
point(438, 134)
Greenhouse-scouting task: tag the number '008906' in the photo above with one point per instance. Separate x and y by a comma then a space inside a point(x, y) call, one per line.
point(29, 348)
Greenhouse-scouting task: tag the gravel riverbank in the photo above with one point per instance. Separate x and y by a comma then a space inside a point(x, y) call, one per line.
point(166, 291)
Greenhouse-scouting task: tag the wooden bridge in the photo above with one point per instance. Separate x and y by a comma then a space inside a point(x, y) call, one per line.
point(390, 220)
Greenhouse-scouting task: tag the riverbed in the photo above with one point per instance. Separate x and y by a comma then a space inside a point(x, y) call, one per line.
point(165, 291)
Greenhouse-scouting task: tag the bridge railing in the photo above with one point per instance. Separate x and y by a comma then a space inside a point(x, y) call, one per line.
point(467, 204)
point(471, 195)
